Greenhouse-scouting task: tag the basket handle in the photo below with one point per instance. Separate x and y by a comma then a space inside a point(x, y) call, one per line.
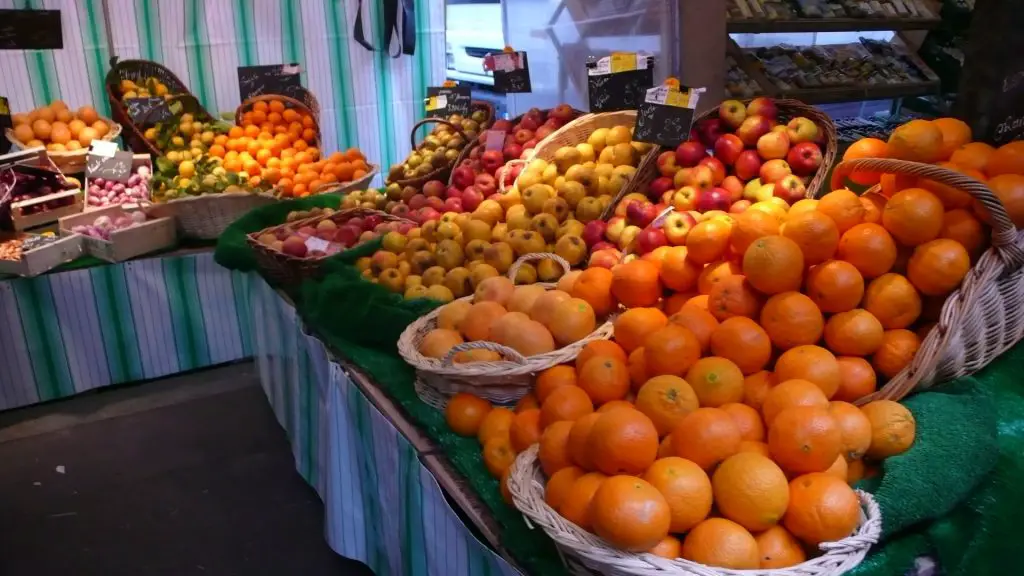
point(535, 256)
point(425, 121)
point(508, 166)
point(505, 351)
point(1004, 233)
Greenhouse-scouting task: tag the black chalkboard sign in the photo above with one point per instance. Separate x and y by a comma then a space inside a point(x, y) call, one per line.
point(618, 90)
point(449, 100)
point(662, 124)
point(31, 30)
point(5, 123)
point(514, 81)
point(139, 110)
point(281, 79)
point(117, 167)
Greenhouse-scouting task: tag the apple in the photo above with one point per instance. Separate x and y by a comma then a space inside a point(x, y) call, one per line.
point(710, 130)
point(703, 177)
point(562, 113)
point(371, 221)
point(689, 153)
point(641, 213)
point(453, 192)
point(503, 125)
point(683, 177)
point(728, 148)
point(512, 151)
point(529, 145)
point(471, 198)
point(435, 203)
point(763, 107)
point(463, 176)
point(685, 198)
point(804, 158)
point(627, 237)
point(801, 129)
point(667, 165)
point(529, 122)
point(764, 193)
point(780, 128)
point(408, 192)
point(486, 184)
point(347, 234)
point(510, 174)
point(739, 206)
point(616, 224)
point(606, 258)
point(713, 199)
point(717, 168)
point(434, 188)
point(773, 145)
point(790, 188)
point(428, 213)
point(604, 245)
point(491, 160)
point(750, 190)
point(593, 232)
point(660, 186)
point(523, 136)
point(753, 128)
point(400, 209)
point(732, 112)
point(625, 201)
point(774, 170)
point(650, 238)
point(677, 226)
point(453, 205)
point(418, 201)
point(734, 186)
point(748, 165)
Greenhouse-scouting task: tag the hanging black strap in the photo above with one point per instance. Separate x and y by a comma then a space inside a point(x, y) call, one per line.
point(391, 27)
point(405, 36)
point(358, 32)
point(408, 27)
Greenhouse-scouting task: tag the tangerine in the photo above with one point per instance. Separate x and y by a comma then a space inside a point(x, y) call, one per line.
point(670, 350)
point(751, 225)
point(955, 133)
point(637, 369)
point(750, 490)
point(465, 412)
point(747, 419)
point(715, 381)
point(843, 207)
point(636, 284)
point(790, 394)
point(600, 348)
point(1007, 159)
point(604, 379)
point(734, 296)
point(777, 548)
point(714, 273)
point(708, 241)
point(744, 342)
point(835, 286)
point(666, 400)
point(495, 424)
point(559, 484)
point(854, 429)
point(722, 543)
point(917, 141)
point(622, 442)
point(792, 319)
point(525, 429)
point(565, 403)
point(554, 377)
point(804, 439)
point(669, 547)
point(630, 513)
point(812, 363)
point(498, 456)
point(892, 428)
point(896, 352)
point(865, 148)
point(756, 388)
point(822, 508)
point(853, 333)
point(815, 233)
point(913, 216)
point(685, 487)
point(869, 247)
point(963, 227)
point(633, 325)
point(554, 448)
point(857, 379)
point(774, 264)
point(595, 286)
point(578, 441)
point(576, 504)
point(1009, 188)
point(678, 271)
point(893, 300)
point(706, 436)
point(936, 268)
point(699, 321)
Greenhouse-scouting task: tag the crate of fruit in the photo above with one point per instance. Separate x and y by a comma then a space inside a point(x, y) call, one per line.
point(294, 251)
point(115, 234)
point(29, 255)
point(66, 134)
point(34, 192)
point(101, 193)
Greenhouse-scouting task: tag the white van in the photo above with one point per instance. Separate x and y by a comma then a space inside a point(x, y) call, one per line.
point(472, 29)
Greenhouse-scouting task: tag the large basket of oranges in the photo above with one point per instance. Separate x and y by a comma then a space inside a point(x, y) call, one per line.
point(981, 317)
point(476, 344)
point(66, 134)
point(279, 114)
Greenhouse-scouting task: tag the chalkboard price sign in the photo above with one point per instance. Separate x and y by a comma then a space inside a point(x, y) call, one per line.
point(1007, 111)
point(281, 79)
point(662, 124)
point(512, 73)
point(611, 90)
point(117, 167)
point(31, 30)
point(443, 101)
point(5, 123)
point(139, 110)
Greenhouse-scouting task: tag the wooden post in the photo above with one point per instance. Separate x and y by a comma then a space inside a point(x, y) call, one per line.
point(702, 44)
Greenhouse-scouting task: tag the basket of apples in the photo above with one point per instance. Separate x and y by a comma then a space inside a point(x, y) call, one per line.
point(295, 250)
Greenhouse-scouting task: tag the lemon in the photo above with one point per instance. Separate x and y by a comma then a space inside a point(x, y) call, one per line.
point(197, 152)
point(174, 156)
point(185, 128)
point(178, 142)
point(186, 118)
point(207, 137)
point(131, 94)
point(187, 169)
point(219, 171)
point(184, 183)
point(150, 134)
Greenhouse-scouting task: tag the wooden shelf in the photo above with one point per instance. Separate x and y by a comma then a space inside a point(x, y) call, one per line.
point(830, 95)
point(758, 26)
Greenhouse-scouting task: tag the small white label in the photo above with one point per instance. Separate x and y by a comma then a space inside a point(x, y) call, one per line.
point(505, 62)
point(494, 140)
point(313, 243)
point(290, 69)
point(104, 148)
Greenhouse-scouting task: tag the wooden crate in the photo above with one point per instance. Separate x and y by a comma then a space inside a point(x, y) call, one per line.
point(150, 236)
point(39, 158)
point(137, 161)
point(44, 258)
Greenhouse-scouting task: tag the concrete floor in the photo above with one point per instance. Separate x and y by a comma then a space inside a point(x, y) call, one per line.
point(189, 475)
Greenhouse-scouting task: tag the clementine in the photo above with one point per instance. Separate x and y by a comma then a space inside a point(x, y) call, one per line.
point(974, 155)
point(854, 428)
point(636, 284)
point(1009, 188)
point(637, 369)
point(965, 228)
point(913, 216)
point(554, 377)
point(559, 484)
point(495, 425)
point(938, 267)
point(630, 513)
point(573, 321)
point(750, 490)
point(715, 381)
point(678, 271)
point(756, 388)
point(854, 333)
point(633, 325)
point(525, 429)
point(836, 285)
point(666, 400)
point(1007, 159)
point(822, 508)
point(751, 225)
point(892, 299)
point(706, 436)
point(721, 543)
point(950, 196)
point(498, 456)
point(815, 233)
point(896, 352)
point(857, 379)
point(955, 133)
point(812, 363)
point(699, 321)
point(774, 264)
point(777, 548)
point(843, 207)
point(576, 504)
point(670, 547)
point(792, 319)
point(868, 247)
point(747, 419)
point(528, 402)
point(622, 442)
point(756, 447)
point(744, 342)
point(708, 241)
point(554, 447)
point(714, 273)
point(790, 394)
point(465, 412)
point(595, 286)
point(804, 439)
point(565, 403)
point(917, 141)
point(604, 379)
point(670, 350)
point(686, 489)
point(865, 148)
point(892, 428)
point(734, 296)
point(578, 436)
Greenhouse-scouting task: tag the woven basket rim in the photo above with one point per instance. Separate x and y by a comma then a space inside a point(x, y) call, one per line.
point(345, 187)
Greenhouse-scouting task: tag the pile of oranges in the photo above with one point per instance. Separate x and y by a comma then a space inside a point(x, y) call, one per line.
point(58, 128)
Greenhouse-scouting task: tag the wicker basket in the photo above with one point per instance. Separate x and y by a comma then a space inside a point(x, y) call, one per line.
point(289, 270)
point(342, 188)
point(68, 162)
point(444, 172)
point(308, 103)
point(137, 70)
point(502, 382)
point(584, 552)
point(985, 316)
point(788, 109)
point(206, 217)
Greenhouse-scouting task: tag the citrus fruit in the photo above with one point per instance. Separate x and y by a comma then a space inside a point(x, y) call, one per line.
point(822, 508)
point(706, 436)
point(465, 412)
point(892, 428)
point(721, 543)
point(804, 439)
point(622, 442)
point(715, 381)
point(686, 489)
point(750, 490)
point(666, 400)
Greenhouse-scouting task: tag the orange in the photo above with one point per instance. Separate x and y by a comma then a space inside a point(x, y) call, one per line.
point(790, 394)
point(1007, 159)
point(854, 333)
point(936, 268)
point(747, 419)
point(637, 369)
point(633, 325)
point(843, 207)
point(822, 508)
point(897, 350)
point(893, 183)
point(604, 379)
point(554, 447)
point(755, 447)
point(955, 133)
point(708, 241)
point(600, 348)
point(678, 271)
point(685, 487)
point(835, 286)
point(963, 227)
point(854, 429)
point(666, 400)
point(525, 429)
point(974, 155)
point(544, 307)
point(869, 247)
point(670, 547)
point(576, 504)
point(706, 436)
point(476, 325)
point(615, 405)
point(855, 471)
point(792, 319)
point(721, 543)
point(495, 424)
point(892, 428)
point(913, 216)
point(815, 233)
point(595, 286)
point(917, 141)
point(873, 206)
point(506, 492)
point(774, 264)
point(622, 442)
point(750, 490)
point(1009, 188)
point(636, 284)
point(554, 377)
point(756, 388)
point(578, 437)
point(716, 381)
point(950, 196)
point(865, 148)
point(804, 439)
point(670, 350)
point(559, 484)
point(498, 456)
point(700, 301)
point(698, 320)
point(777, 548)
point(564, 403)
point(893, 300)
point(714, 273)
point(812, 363)
point(744, 342)
point(465, 412)
point(630, 513)
point(857, 379)
point(751, 225)
point(734, 296)
point(839, 468)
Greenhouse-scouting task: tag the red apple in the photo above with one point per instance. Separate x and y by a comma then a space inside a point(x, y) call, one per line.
point(677, 226)
point(689, 153)
point(732, 112)
point(543, 132)
point(405, 227)
point(734, 186)
point(660, 186)
point(436, 203)
point(616, 224)
point(728, 148)
point(650, 238)
point(593, 232)
point(774, 170)
point(790, 188)
point(703, 177)
point(453, 205)
point(523, 136)
point(491, 160)
point(486, 184)
point(347, 235)
point(685, 198)
point(471, 198)
point(400, 209)
point(713, 199)
point(804, 158)
point(739, 206)
point(562, 112)
point(429, 213)
point(434, 188)
point(717, 169)
point(463, 176)
point(773, 145)
point(802, 129)
point(503, 125)
point(453, 192)
point(753, 128)
point(529, 145)
point(512, 151)
point(604, 245)
point(748, 165)
point(763, 106)
point(371, 221)
point(710, 130)
point(418, 201)
point(530, 122)
point(641, 213)
point(667, 165)
point(606, 258)
point(683, 177)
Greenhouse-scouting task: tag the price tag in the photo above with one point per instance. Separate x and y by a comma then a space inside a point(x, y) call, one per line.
point(284, 79)
point(317, 244)
point(117, 167)
point(512, 73)
point(139, 110)
point(609, 91)
point(31, 30)
point(665, 116)
point(104, 148)
point(622, 62)
point(443, 101)
point(494, 140)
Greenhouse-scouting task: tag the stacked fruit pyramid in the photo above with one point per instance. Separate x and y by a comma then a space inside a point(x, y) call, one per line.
point(735, 367)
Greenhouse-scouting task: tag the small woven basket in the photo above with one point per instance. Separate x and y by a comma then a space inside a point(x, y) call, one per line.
point(586, 553)
point(985, 316)
point(72, 162)
point(342, 188)
point(290, 270)
point(206, 217)
point(788, 109)
point(502, 382)
point(441, 172)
